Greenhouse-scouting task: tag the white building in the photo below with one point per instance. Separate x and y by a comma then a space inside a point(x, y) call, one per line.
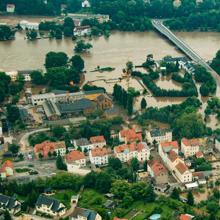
point(81, 31)
point(86, 4)
point(190, 147)
point(169, 154)
point(26, 25)
point(83, 144)
point(99, 156)
point(98, 141)
point(10, 8)
point(159, 135)
point(126, 152)
point(50, 206)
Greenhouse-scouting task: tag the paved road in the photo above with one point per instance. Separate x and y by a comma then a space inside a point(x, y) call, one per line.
point(158, 24)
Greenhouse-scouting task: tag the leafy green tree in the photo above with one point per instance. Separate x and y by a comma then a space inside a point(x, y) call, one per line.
point(190, 198)
point(6, 33)
point(13, 113)
point(77, 63)
point(68, 22)
point(135, 164)
point(60, 163)
point(58, 131)
point(103, 182)
point(40, 156)
point(58, 34)
point(143, 103)
point(32, 198)
point(175, 194)
point(68, 32)
point(7, 215)
point(37, 78)
point(31, 35)
point(115, 163)
point(54, 59)
point(82, 47)
point(130, 105)
point(14, 148)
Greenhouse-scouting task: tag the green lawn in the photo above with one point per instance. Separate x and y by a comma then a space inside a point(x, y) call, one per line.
point(64, 196)
point(91, 199)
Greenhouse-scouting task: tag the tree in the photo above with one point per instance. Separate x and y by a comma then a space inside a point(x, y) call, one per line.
point(13, 113)
point(14, 148)
point(68, 22)
point(31, 35)
point(135, 164)
point(6, 33)
point(175, 194)
point(190, 198)
point(77, 63)
point(103, 182)
point(54, 59)
point(7, 215)
point(130, 105)
point(58, 34)
point(143, 103)
point(58, 131)
point(31, 198)
point(37, 78)
point(115, 163)
point(60, 163)
point(129, 67)
point(40, 156)
point(82, 47)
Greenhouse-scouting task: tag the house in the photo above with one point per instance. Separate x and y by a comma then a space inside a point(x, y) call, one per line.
point(103, 101)
point(158, 172)
point(199, 154)
point(84, 214)
point(159, 135)
point(26, 25)
point(49, 206)
point(168, 151)
point(7, 169)
point(83, 144)
point(86, 4)
point(190, 147)
point(45, 147)
point(129, 135)
point(186, 217)
point(9, 203)
point(81, 31)
point(126, 152)
point(98, 141)
point(75, 159)
point(99, 156)
point(10, 8)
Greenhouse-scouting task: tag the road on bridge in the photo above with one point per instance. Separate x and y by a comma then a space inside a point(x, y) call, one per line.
point(158, 24)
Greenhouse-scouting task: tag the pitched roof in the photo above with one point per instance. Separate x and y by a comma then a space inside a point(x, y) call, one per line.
point(181, 167)
point(47, 146)
point(49, 202)
point(167, 146)
point(126, 148)
point(74, 156)
point(5, 165)
point(157, 167)
point(82, 142)
point(172, 155)
point(99, 152)
point(159, 132)
point(9, 202)
point(131, 135)
point(199, 154)
point(191, 142)
point(186, 217)
point(97, 139)
point(86, 213)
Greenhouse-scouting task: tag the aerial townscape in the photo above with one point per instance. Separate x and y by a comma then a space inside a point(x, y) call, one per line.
point(110, 109)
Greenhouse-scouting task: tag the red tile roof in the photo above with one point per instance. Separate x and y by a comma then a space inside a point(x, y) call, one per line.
point(191, 142)
point(199, 154)
point(97, 139)
point(181, 167)
point(130, 135)
point(172, 144)
point(157, 167)
point(172, 155)
point(46, 147)
point(5, 165)
point(99, 152)
point(185, 217)
point(130, 147)
point(74, 156)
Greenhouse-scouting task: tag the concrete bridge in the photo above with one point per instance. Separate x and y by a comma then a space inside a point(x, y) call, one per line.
point(158, 24)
